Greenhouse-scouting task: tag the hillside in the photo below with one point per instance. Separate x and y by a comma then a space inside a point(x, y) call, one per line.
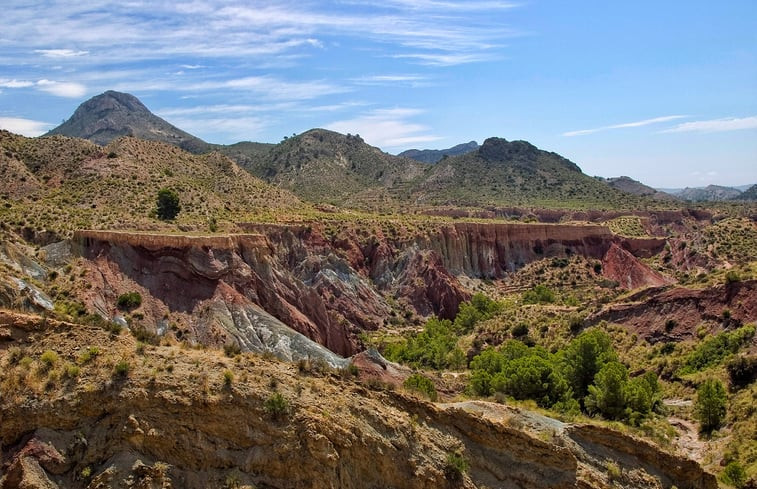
point(327, 167)
point(435, 155)
point(112, 115)
point(631, 186)
point(514, 173)
point(748, 194)
point(709, 193)
point(60, 184)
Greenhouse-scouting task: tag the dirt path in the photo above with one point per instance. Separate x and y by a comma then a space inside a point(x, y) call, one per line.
point(688, 442)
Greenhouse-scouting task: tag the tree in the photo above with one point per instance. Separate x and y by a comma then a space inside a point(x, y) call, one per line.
point(168, 204)
point(584, 357)
point(607, 394)
point(710, 404)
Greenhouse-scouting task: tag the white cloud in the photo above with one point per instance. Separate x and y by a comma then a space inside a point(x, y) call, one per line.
point(4, 83)
point(62, 89)
point(60, 53)
point(221, 129)
point(644, 122)
point(386, 128)
point(25, 127)
point(716, 125)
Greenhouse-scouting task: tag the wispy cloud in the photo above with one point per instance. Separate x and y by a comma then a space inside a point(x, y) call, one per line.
point(25, 127)
point(57, 88)
point(387, 128)
point(390, 79)
point(62, 89)
point(645, 122)
point(15, 83)
point(716, 125)
point(60, 53)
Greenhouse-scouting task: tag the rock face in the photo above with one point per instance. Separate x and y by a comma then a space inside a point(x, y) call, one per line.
point(188, 427)
point(647, 312)
point(621, 266)
point(224, 288)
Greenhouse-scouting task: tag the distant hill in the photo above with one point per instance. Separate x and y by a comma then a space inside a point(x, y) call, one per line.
point(111, 115)
point(709, 193)
point(435, 155)
point(631, 186)
point(61, 184)
point(505, 172)
point(749, 194)
point(327, 167)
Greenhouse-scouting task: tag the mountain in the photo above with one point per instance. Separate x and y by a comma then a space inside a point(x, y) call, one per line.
point(709, 193)
point(111, 115)
point(435, 155)
point(631, 186)
point(327, 167)
point(513, 173)
point(749, 194)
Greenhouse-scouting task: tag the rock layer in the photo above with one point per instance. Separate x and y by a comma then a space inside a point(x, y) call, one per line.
point(328, 287)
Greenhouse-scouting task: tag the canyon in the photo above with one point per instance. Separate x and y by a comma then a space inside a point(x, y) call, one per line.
point(328, 284)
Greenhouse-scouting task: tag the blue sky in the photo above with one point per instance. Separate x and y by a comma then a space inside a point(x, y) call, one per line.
point(664, 92)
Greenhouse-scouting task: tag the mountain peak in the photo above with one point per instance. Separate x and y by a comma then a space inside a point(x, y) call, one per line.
point(112, 115)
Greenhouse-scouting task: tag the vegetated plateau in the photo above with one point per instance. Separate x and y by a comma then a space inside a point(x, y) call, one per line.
point(318, 313)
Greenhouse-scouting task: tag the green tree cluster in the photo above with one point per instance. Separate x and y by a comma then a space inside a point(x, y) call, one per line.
point(586, 373)
point(419, 383)
point(714, 349)
point(435, 347)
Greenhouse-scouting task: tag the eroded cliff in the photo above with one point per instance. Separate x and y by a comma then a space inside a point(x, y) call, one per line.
point(326, 284)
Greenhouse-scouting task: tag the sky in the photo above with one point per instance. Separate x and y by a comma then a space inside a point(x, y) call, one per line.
point(662, 91)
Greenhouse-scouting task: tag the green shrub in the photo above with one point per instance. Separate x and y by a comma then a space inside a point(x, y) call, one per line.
point(455, 467)
point(276, 406)
point(49, 358)
point(419, 383)
point(129, 301)
point(541, 294)
point(121, 369)
point(742, 371)
point(734, 475)
point(228, 377)
point(435, 347)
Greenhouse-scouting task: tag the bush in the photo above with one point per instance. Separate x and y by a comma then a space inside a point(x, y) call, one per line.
point(713, 350)
point(228, 377)
point(742, 371)
point(584, 357)
point(606, 395)
point(276, 406)
point(731, 277)
point(541, 294)
point(419, 383)
point(129, 301)
point(435, 347)
point(168, 204)
point(710, 406)
point(734, 475)
point(121, 369)
point(456, 466)
point(49, 358)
